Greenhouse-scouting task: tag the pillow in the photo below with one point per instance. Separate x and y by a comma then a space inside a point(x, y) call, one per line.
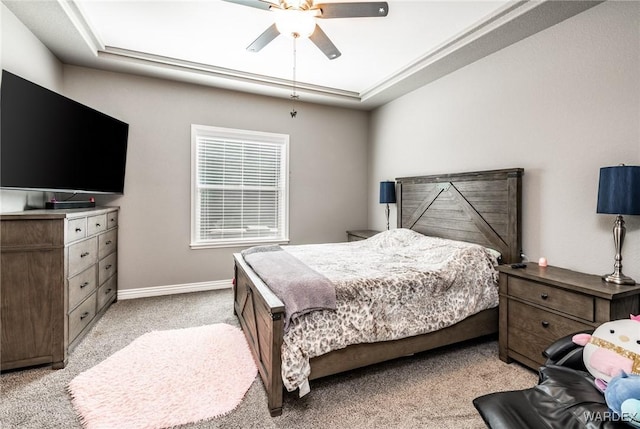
point(493, 252)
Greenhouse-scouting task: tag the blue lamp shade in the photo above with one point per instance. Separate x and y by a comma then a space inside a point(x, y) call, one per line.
point(619, 190)
point(387, 192)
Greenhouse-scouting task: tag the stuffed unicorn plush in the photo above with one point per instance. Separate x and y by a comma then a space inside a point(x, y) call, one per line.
point(612, 348)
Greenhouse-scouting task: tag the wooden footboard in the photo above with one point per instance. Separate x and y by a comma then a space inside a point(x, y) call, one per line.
point(361, 355)
point(261, 316)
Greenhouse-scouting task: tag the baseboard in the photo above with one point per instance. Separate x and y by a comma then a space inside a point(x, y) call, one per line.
point(146, 292)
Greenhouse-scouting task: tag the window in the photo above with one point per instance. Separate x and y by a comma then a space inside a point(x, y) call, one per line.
point(239, 187)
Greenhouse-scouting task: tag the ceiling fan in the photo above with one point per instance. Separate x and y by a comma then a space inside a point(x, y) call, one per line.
point(296, 18)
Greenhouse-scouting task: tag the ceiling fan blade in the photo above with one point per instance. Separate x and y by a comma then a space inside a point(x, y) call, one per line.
point(264, 39)
point(260, 4)
point(322, 41)
point(353, 10)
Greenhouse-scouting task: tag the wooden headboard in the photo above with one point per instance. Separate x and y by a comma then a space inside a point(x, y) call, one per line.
point(482, 207)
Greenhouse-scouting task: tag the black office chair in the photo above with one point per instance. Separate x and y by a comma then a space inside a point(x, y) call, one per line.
point(565, 398)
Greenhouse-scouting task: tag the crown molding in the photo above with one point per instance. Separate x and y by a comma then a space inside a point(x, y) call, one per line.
point(143, 58)
point(78, 18)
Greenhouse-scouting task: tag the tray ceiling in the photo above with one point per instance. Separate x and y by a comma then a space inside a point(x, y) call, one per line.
point(205, 42)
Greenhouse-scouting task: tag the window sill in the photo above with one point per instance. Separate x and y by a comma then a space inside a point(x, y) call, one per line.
point(210, 245)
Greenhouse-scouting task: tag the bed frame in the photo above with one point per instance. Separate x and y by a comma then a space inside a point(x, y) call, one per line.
point(479, 207)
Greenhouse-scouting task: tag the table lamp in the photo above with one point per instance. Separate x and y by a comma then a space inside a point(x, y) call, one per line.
point(619, 194)
point(387, 195)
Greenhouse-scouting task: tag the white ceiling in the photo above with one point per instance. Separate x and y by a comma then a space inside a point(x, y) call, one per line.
point(205, 42)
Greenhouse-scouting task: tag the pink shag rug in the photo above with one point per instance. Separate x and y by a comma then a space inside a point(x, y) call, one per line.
point(166, 378)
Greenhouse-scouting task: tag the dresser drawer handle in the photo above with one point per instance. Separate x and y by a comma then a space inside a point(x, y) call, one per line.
point(82, 255)
point(544, 296)
point(108, 267)
point(84, 285)
point(545, 324)
point(108, 242)
point(97, 225)
point(106, 292)
point(78, 229)
point(84, 315)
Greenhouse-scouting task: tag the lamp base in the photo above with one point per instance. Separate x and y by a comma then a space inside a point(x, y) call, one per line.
point(618, 278)
point(387, 213)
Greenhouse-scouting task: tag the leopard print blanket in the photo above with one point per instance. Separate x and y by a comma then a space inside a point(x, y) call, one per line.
point(393, 285)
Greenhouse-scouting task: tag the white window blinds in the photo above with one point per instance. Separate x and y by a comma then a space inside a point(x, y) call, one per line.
point(239, 187)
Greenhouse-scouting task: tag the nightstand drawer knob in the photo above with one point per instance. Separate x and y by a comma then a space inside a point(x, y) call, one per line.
point(544, 296)
point(545, 324)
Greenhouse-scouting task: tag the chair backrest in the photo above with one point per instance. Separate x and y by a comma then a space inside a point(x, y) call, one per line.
point(564, 352)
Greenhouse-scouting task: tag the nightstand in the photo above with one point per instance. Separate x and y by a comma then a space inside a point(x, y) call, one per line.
point(360, 234)
point(538, 305)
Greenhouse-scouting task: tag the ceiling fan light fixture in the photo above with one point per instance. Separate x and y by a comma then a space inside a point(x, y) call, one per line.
point(295, 23)
point(296, 4)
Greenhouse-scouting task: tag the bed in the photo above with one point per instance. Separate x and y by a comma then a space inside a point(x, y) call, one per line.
point(482, 208)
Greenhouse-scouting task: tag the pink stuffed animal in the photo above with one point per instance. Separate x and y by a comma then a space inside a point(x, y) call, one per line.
point(613, 347)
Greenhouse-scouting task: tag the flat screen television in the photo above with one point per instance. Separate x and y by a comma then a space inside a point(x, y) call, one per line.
point(49, 142)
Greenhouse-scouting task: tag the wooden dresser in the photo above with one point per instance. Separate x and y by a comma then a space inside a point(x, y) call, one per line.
point(58, 276)
point(540, 305)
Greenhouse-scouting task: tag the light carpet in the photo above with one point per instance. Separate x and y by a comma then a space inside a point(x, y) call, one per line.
point(166, 378)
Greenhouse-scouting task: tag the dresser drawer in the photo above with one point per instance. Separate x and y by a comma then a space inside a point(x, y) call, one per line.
point(532, 330)
point(575, 304)
point(107, 243)
point(81, 316)
point(76, 229)
point(82, 255)
point(82, 286)
point(107, 267)
point(112, 220)
point(107, 291)
point(96, 224)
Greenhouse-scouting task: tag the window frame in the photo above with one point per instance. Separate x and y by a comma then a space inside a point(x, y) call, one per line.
point(241, 136)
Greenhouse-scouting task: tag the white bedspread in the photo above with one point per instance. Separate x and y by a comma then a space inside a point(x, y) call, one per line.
point(396, 284)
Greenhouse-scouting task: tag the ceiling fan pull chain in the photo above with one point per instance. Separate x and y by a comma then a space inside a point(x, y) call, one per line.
point(294, 95)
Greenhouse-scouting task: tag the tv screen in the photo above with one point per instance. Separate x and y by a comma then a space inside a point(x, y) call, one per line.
point(49, 142)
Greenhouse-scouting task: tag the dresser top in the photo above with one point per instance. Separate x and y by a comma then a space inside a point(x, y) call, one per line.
point(57, 213)
point(572, 280)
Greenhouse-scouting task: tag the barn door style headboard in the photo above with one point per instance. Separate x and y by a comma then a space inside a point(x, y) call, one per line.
point(482, 207)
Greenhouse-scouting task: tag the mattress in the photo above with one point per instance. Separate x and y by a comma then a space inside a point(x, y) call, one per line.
point(396, 284)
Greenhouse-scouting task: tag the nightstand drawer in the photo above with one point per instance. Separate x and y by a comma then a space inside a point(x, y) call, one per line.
point(532, 330)
point(575, 304)
point(542, 323)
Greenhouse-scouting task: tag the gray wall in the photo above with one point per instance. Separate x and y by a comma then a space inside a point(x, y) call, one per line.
point(327, 160)
point(23, 54)
point(561, 104)
point(328, 191)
